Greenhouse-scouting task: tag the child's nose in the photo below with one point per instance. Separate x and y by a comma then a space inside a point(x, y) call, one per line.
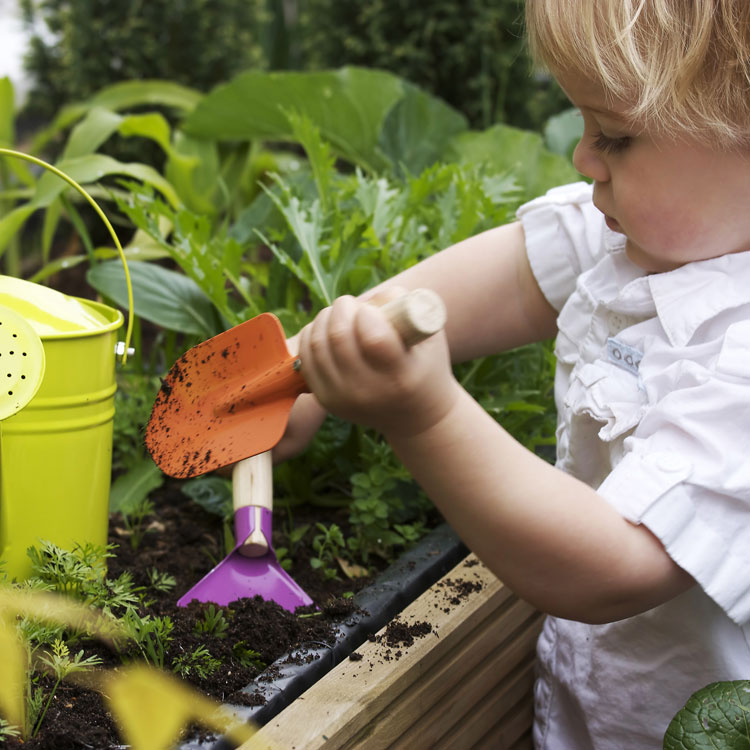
point(589, 162)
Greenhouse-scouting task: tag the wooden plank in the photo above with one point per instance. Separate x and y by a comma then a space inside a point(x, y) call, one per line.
point(496, 711)
point(458, 712)
point(507, 733)
point(524, 743)
point(344, 702)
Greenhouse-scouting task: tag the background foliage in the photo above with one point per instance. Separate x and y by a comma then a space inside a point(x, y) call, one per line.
point(472, 54)
point(88, 44)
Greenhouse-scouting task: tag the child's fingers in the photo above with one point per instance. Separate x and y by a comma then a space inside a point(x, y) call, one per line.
point(379, 342)
point(313, 349)
point(340, 333)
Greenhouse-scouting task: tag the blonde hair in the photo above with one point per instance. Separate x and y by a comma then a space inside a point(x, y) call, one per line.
point(683, 66)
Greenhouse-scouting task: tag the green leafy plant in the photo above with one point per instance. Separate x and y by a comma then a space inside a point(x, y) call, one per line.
point(714, 718)
point(62, 664)
point(23, 701)
point(247, 656)
point(212, 622)
point(328, 544)
point(135, 520)
point(6, 730)
point(198, 661)
point(152, 635)
point(160, 580)
point(294, 535)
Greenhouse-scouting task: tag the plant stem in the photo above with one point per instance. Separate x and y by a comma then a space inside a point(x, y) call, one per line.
point(46, 706)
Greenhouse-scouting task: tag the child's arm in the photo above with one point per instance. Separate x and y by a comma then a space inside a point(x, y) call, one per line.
point(548, 536)
point(493, 302)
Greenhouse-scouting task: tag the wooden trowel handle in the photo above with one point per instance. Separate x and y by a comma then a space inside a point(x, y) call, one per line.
point(416, 315)
point(252, 484)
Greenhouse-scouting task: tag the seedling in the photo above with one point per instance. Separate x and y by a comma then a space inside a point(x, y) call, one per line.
point(199, 660)
point(62, 665)
point(328, 545)
point(213, 623)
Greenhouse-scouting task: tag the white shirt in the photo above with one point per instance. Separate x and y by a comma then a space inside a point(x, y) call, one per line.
point(653, 397)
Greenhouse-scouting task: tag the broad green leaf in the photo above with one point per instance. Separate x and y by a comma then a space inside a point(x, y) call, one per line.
point(348, 105)
point(148, 125)
point(93, 167)
point(86, 137)
point(417, 131)
point(167, 298)
point(716, 717)
point(193, 169)
point(213, 493)
point(131, 488)
point(12, 223)
point(563, 131)
point(123, 96)
point(505, 149)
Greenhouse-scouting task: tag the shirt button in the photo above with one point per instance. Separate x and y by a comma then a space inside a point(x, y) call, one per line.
point(671, 463)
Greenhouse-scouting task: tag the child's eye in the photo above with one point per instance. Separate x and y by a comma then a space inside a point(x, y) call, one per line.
point(608, 145)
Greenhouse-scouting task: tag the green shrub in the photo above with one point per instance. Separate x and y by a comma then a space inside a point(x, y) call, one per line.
point(472, 54)
point(93, 43)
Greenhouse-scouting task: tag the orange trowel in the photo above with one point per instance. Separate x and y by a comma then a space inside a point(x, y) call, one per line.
point(227, 401)
point(229, 397)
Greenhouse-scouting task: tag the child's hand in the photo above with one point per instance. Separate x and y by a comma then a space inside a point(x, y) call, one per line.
point(359, 369)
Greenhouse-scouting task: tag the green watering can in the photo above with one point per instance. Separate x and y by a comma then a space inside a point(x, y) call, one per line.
point(57, 414)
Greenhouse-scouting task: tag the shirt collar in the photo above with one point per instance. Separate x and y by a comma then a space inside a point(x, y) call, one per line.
point(696, 292)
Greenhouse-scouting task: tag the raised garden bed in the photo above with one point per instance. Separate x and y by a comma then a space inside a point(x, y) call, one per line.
point(429, 636)
point(453, 670)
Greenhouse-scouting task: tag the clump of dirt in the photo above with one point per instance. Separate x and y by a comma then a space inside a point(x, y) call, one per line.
point(399, 633)
point(456, 590)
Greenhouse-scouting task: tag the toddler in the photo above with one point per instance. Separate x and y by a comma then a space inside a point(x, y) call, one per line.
point(637, 543)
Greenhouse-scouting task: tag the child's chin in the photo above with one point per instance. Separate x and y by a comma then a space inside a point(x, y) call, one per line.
point(648, 262)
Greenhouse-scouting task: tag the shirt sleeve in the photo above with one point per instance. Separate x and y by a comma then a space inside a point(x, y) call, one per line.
point(685, 475)
point(565, 236)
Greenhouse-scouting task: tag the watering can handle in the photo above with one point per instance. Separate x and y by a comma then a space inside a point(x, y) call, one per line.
point(103, 217)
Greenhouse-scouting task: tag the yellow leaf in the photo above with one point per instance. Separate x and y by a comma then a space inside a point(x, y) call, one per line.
point(152, 708)
point(350, 570)
point(12, 674)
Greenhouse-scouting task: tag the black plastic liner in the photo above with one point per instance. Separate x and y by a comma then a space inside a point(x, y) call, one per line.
point(411, 575)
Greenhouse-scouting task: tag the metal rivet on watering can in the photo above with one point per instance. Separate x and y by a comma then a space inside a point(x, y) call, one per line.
point(56, 453)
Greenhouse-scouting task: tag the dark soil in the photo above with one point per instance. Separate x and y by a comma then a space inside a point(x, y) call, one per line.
point(186, 542)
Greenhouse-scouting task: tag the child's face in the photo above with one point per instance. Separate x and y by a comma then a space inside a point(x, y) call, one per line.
point(675, 199)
